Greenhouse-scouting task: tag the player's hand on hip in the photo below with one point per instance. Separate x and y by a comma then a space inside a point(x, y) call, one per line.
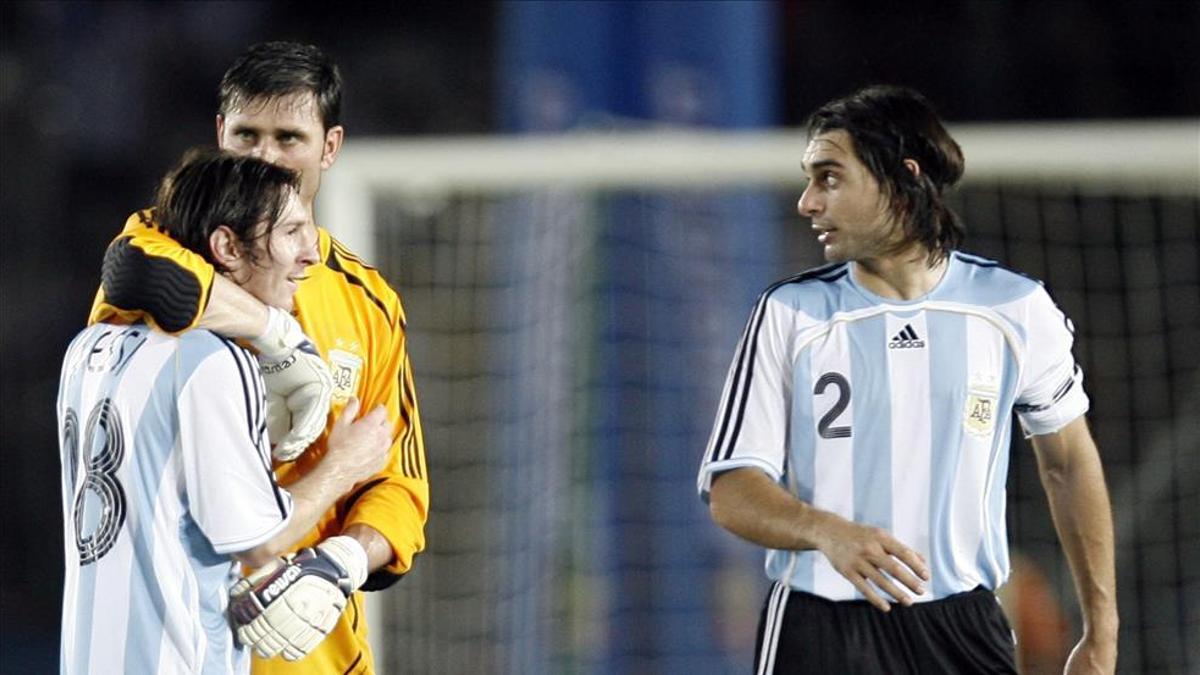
point(299, 385)
point(871, 558)
point(288, 607)
point(360, 447)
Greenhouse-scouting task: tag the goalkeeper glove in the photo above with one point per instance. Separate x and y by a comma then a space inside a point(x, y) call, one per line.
point(299, 385)
point(289, 606)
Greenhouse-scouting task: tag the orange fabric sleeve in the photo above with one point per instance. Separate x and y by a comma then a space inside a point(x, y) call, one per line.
point(149, 276)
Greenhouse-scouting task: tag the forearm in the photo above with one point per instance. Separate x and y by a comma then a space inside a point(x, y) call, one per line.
point(1074, 482)
point(312, 496)
point(751, 505)
point(379, 551)
point(394, 510)
point(232, 311)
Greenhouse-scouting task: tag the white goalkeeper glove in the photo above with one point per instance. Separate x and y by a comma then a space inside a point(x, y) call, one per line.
point(299, 385)
point(289, 606)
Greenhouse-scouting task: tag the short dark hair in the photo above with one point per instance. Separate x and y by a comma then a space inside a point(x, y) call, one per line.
point(210, 188)
point(273, 69)
point(888, 125)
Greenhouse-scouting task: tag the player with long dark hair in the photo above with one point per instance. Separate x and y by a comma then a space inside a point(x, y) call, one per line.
point(863, 433)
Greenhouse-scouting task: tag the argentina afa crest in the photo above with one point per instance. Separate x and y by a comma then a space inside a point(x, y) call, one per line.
point(345, 368)
point(979, 412)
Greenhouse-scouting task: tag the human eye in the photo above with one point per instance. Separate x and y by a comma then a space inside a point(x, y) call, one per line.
point(829, 179)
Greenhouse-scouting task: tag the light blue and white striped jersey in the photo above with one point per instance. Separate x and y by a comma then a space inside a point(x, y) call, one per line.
point(897, 414)
point(166, 473)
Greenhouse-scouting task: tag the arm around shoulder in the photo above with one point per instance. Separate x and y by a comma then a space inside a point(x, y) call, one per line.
point(147, 274)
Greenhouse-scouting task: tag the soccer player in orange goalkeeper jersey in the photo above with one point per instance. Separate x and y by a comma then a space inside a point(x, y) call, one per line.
point(280, 101)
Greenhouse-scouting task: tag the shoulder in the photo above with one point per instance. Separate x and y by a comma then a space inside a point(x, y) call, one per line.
point(817, 292)
point(982, 281)
point(139, 221)
point(342, 266)
point(203, 351)
point(986, 270)
point(816, 281)
point(202, 340)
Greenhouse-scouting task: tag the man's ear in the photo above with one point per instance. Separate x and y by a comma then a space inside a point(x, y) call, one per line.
point(225, 248)
point(220, 129)
point(911, 165)
point(333, 145)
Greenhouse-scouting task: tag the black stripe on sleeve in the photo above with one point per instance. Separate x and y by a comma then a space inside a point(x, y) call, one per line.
point(748, 336)
point(255, 418)
point(347, 253)
point(410, 460)
point(1066, 386)
point(406, 420)
point(258, 421)
point(353, 664)
point(408, 445)
point(1063, 390)
point(333, 263)
point(248, 391)
point(343, 508)
point(723, 448)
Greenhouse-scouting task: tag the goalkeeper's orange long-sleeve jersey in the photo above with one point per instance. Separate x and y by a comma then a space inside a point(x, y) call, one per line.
point(358, 325)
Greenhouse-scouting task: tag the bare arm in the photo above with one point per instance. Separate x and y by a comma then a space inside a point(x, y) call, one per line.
point(357, 449)
point(1069, 464)
point(379, 551)
point(751, 505)
point(232, 311)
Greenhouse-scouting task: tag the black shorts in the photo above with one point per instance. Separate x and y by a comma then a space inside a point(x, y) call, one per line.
point(964, 633)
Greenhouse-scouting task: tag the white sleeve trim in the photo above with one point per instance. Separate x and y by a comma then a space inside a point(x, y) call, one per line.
point(711, 469)
point(1059, 401)
point(246, 543)
point(1053, 419)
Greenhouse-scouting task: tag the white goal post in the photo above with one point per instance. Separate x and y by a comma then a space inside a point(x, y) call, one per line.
point(1124, 157)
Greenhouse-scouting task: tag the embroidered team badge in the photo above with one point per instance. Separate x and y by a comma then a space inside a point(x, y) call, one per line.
point(345, 368)
point(979, 415)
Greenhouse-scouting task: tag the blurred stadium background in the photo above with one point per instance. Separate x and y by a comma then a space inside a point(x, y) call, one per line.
point(578, 261)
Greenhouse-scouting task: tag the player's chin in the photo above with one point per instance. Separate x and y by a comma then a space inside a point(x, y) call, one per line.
point(286, 300)
point(834, 253)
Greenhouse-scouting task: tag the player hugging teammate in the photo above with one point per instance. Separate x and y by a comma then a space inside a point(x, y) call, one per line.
point(280, 103)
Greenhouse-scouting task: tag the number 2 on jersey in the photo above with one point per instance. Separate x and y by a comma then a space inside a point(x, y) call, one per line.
point(825, 427)
point(98, 506)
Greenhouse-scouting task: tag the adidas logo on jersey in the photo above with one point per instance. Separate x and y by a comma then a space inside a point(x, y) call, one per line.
point(907, 338)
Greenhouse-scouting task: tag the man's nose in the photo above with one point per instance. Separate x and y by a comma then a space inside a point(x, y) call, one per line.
point(808, 205)
point(266, 151)
point(310, 253)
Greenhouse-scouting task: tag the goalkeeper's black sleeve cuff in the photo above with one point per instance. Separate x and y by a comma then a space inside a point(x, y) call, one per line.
point(133, 280)
point(380, 580)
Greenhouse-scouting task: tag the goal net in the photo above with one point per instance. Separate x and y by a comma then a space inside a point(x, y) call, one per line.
point(573, 304)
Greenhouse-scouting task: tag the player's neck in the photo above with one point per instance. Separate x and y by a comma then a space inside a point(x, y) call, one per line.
point(904, 275)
